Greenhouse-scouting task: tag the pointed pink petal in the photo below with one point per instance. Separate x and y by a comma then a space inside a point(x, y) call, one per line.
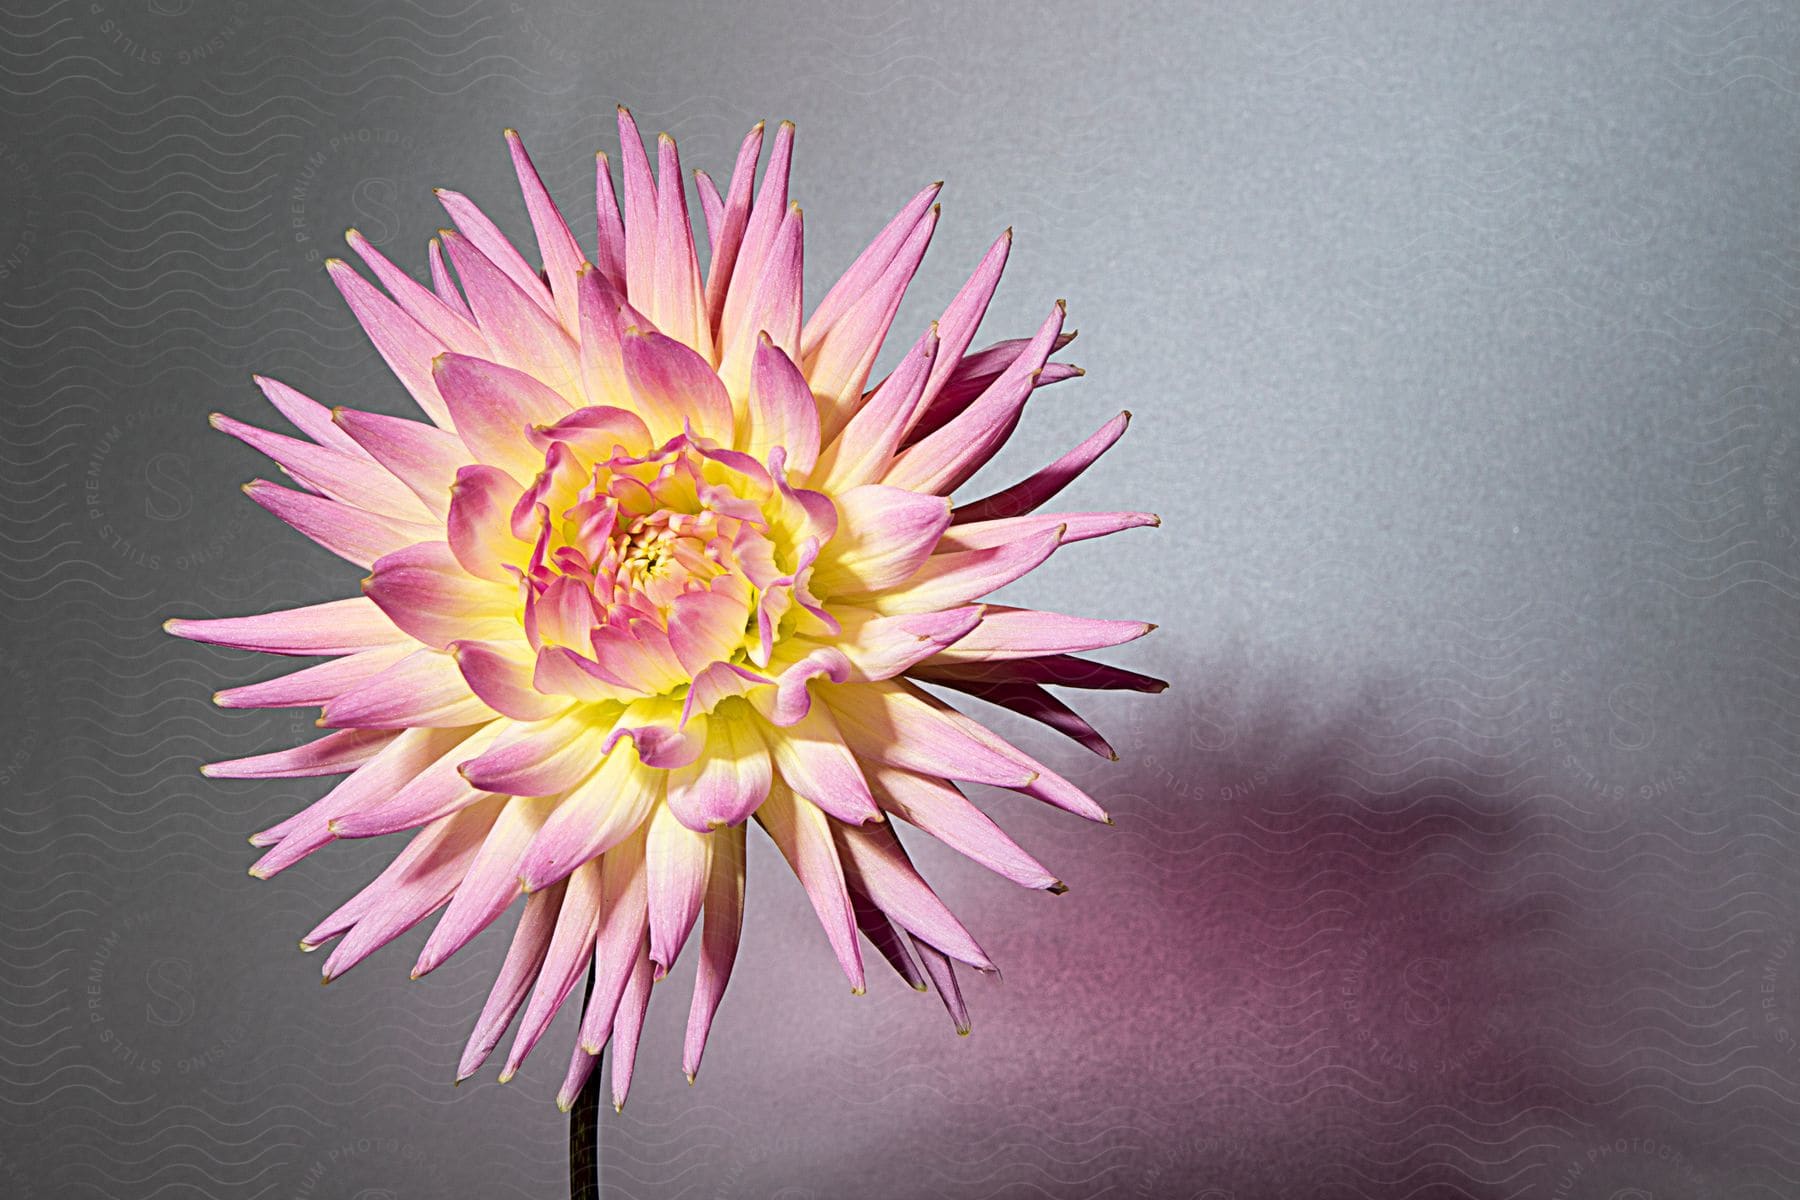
point(959, 576)
point(883, 936)
point(640, 215)
point(1034, 490)
point(444, 285)
point(405, 345)
point(818, 766)
point(1054, 790)
point(485, 238)
point(571, 949)
point(803, 834)
point(424, 689)
point(1026, 633)
point(724, 908)
point(441, 855)
point(335, 627)
point(350, 533)
point(604, 316)
point(480, 523)
point(620, 945)
point(423, 457)
point(581, 1069)
point(628, 1027)
point(524, 334)
point(679, 304)
point(561, 256)
point(865, 274)
point(881, 647)
point(727, 228)
point(838, 363)
point(761, 231)
point(861, 452)
point(307, 415)
point(781, 410)
point(333, 754)
point(610, 257)
point(1028, 700)
point(712, 210)
point(943, 977)
point(414, 886)
point(490, 885)
point(435, 791)
point(678, 861)
point(975, 373)
point(1076, 527)
point(956, 329)
point(398, 763)
point(1062, 670)
point(355, 479)
point(313, 686)
point(771, 302)
point(889, 723)
point(404, 761)
point(531, 940)
point(936, 807)
point(446, 324)
point(946, 459)
point(898, 724)
point(872, 853)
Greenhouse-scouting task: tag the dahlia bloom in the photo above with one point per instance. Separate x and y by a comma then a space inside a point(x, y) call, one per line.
point(661, 562)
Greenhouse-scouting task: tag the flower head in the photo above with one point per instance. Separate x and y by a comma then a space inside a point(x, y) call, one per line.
point(664, 561)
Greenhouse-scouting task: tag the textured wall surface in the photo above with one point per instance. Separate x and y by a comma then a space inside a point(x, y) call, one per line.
point(1461, 342)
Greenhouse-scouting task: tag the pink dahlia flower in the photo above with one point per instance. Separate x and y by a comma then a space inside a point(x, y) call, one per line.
point(663, 561)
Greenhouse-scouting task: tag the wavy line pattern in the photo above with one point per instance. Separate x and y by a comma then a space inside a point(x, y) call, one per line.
point(1459, 863)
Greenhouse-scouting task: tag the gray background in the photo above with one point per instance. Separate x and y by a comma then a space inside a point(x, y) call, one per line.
point(1459, 860)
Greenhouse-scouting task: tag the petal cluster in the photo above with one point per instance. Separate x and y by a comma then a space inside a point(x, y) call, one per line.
point(665, 560)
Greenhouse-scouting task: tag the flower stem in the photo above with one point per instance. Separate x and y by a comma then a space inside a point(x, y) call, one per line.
point(584, 1127)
